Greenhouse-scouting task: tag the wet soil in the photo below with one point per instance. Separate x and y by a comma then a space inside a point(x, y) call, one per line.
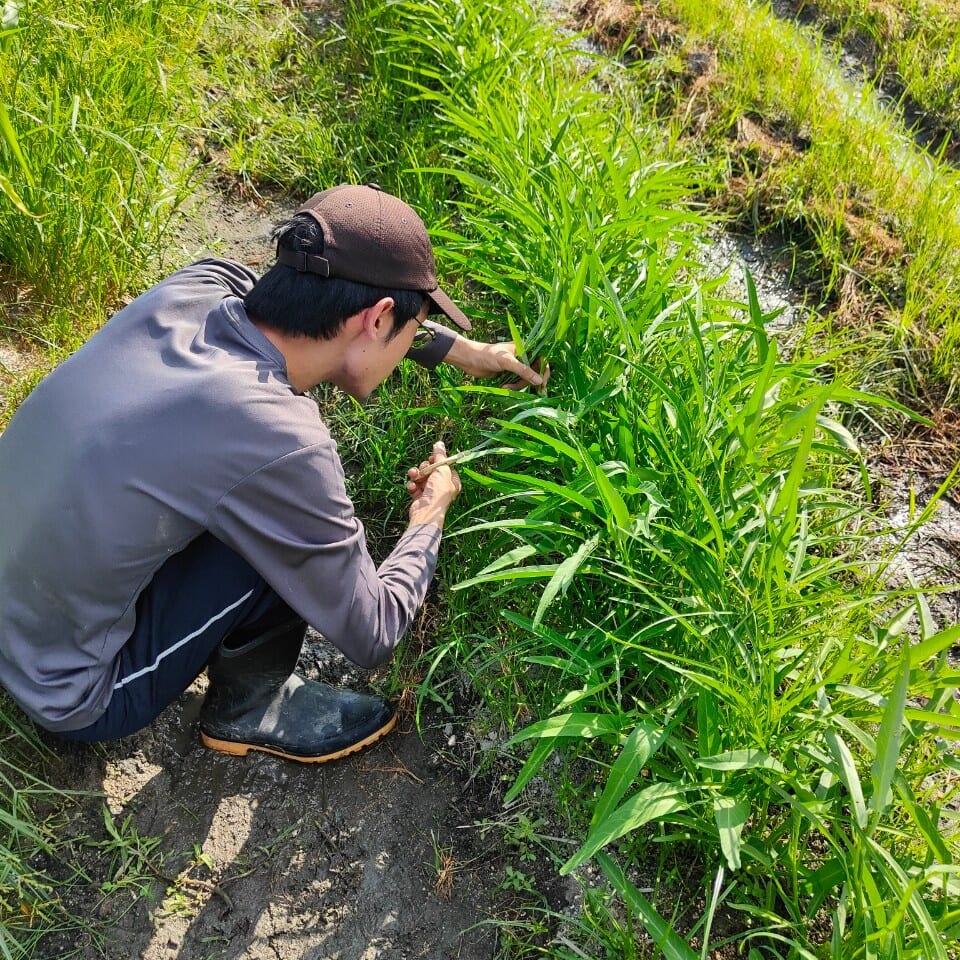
point(373, 856)
point(864, 60)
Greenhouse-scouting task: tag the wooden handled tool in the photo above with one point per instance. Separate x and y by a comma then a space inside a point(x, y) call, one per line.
point(445, 462)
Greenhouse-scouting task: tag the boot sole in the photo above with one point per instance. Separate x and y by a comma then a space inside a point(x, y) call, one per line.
point(242, 749)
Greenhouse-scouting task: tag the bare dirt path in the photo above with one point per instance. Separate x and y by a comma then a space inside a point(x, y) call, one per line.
point(263, 858)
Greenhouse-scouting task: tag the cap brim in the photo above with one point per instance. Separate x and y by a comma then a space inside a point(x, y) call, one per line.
point(449, 309)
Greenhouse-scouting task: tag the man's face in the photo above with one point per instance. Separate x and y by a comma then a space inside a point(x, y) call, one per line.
point(381, 356)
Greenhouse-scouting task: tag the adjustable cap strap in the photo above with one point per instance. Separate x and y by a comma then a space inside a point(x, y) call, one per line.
point(304, 262)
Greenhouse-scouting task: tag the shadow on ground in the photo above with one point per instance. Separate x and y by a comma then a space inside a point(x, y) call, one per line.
point(373, 856)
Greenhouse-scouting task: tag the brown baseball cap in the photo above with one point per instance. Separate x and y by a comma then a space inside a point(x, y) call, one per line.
point(372, 237)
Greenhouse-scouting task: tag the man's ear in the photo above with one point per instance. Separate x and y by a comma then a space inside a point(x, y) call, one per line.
point(377, 319)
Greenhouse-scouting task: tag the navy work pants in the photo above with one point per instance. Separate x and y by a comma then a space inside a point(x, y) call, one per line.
point(195, 599)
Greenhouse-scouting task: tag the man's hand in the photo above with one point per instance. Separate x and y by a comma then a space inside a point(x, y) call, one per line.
point(489, 359)
point(433, 492)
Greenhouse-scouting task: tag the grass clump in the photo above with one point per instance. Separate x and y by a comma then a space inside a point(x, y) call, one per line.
point(93, 102)
point(914, 43)
point(691, 515)
point(296, 100)
point(708, 617)
point(29, 903)
point(813, 160)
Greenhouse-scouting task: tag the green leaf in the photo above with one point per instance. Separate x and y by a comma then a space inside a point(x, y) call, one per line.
point(532, 572)
point(848, 774)
point(535, 761)
point(921, 817)
point(787, 498)
point(608, 493)
point(662, 934)
point(585, 725)
point(932, 646)
point(846, 395)
point(511, 557)
point(558, 446)
point(730, 815)
point(8, 190)
point(888, 740)
point(528, 482)
point(10, 138)
point(708, 722)
point(587, 690)
point(515, 334)
point(881, 864)
point(940, 724)
point(653, 803)
point(741, 760)
point(642, 743)
point(564, 576)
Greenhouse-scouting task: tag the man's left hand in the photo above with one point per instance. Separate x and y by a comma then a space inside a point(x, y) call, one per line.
point(489, 359)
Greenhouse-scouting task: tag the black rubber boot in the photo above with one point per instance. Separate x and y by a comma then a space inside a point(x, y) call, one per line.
point(256, 702)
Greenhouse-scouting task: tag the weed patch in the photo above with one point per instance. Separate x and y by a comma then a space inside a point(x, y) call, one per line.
point(665, 587)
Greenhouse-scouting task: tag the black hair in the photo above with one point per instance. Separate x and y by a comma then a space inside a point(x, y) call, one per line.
point(304, 304)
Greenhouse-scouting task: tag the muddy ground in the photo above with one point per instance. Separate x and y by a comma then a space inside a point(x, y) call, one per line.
point(378, 856)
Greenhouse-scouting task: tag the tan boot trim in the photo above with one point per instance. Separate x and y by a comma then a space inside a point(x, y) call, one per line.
point(242, 749)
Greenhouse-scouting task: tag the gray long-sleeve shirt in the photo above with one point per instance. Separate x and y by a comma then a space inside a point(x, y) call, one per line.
point(175, 418)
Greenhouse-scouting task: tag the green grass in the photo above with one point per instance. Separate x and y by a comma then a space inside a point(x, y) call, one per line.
point(296, 101)
point(28, 899)
point(868, 214)
point(94, 98)
point(915, 42)
point(666, 576)
point(690, 513)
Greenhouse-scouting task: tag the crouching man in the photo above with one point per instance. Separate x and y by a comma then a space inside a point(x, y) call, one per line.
point(170, 500)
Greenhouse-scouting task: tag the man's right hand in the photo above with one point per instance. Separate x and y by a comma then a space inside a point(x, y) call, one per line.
point(433, 492)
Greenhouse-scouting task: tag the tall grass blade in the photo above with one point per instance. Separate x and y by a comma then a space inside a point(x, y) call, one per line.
point(884, 766)
point(715, 896)
point(849, 776)
point(9, 191)
point(742, 760)
point(641, 744)
point(655, 802)
point(934, 645)
point(662, 934)
point(564, 576)
point(569, 725)
point(730, 815)
point(531, 767)
point(13, 144)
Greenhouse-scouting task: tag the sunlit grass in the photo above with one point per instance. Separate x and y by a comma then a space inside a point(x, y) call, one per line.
point(860, 182)
point(916, 42)
point(675, 545)
point(667, 569)
point(95, 100)
point(28, 899)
